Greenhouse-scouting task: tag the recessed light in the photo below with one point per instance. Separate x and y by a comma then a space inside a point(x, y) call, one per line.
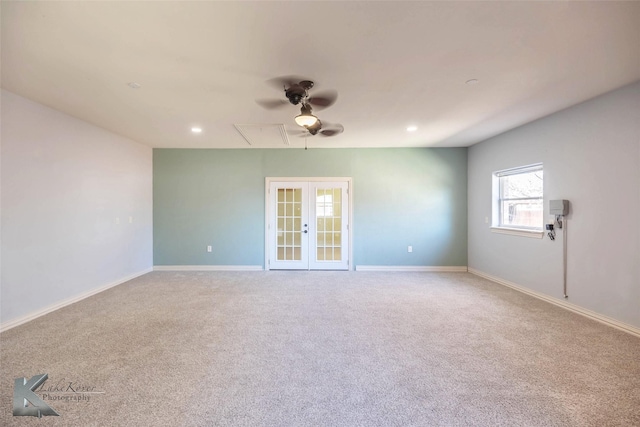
point(412, 128)
point(472, 82)
point(196, 130)
point(134, 85)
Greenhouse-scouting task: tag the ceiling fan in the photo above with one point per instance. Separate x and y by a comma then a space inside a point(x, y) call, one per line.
point(319, 128)
point(296, 90)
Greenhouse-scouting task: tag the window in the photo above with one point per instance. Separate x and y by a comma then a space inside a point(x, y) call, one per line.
point(324, 202)
point(518, 202)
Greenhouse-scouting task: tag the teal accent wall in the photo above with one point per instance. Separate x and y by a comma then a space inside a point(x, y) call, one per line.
point(401, 197)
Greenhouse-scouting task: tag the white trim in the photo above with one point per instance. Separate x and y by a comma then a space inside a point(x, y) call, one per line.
point(442, 269)
point(207, 268)
point(34, 315)
point(534, 234)
point(307, 178)
point(520, 169)
point(625, 327)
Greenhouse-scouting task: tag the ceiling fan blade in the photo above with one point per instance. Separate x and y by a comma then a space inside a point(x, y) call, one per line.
point(332, 130)
point(323, 99)
point(329, 132)
point(283, 82)
point(271, 104)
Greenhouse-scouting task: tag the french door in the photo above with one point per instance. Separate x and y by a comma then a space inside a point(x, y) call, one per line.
point(308, 225)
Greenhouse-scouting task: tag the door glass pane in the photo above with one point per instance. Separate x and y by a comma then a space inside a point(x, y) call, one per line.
point(328, 224)
point(329, 221)
point(289, 212)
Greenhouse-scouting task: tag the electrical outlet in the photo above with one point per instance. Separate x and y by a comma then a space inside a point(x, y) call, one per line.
point(209, 248)
point(409, 248)
point(486, 220)
point(117, 220)
point(130, 220)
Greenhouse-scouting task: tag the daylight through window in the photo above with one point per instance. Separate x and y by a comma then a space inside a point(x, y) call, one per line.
point(520, 202)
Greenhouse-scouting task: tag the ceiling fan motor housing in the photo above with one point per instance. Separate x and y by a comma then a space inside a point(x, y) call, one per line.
point(295, 94)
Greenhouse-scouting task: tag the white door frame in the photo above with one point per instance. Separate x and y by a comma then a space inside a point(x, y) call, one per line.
point(267, 207)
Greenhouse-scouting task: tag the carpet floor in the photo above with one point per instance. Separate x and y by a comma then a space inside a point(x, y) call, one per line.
point(321, 349)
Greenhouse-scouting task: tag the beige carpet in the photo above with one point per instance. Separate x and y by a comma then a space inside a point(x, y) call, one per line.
point(322, 349)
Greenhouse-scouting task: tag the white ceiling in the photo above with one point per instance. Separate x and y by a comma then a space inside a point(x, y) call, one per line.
point(393, 63)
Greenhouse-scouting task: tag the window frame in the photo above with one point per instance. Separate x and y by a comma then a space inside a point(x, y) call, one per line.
point(497, 225)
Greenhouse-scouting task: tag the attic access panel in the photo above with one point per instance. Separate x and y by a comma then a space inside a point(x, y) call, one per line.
point(264, 135)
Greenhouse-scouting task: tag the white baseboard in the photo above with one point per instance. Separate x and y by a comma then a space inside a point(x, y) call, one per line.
point(24, 319)
point(560, 303)
point(441, 269)
point(207, 268)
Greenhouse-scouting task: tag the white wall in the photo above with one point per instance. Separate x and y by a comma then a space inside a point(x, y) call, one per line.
point(64, 183)
point(591, 156)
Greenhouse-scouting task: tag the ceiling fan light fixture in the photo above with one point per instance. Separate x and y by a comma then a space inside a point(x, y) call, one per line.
point(306, 120)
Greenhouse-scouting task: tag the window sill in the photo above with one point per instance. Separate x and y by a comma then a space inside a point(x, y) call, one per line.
point(534, 234)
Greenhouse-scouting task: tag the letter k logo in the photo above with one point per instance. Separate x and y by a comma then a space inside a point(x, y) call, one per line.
point(23, 395)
